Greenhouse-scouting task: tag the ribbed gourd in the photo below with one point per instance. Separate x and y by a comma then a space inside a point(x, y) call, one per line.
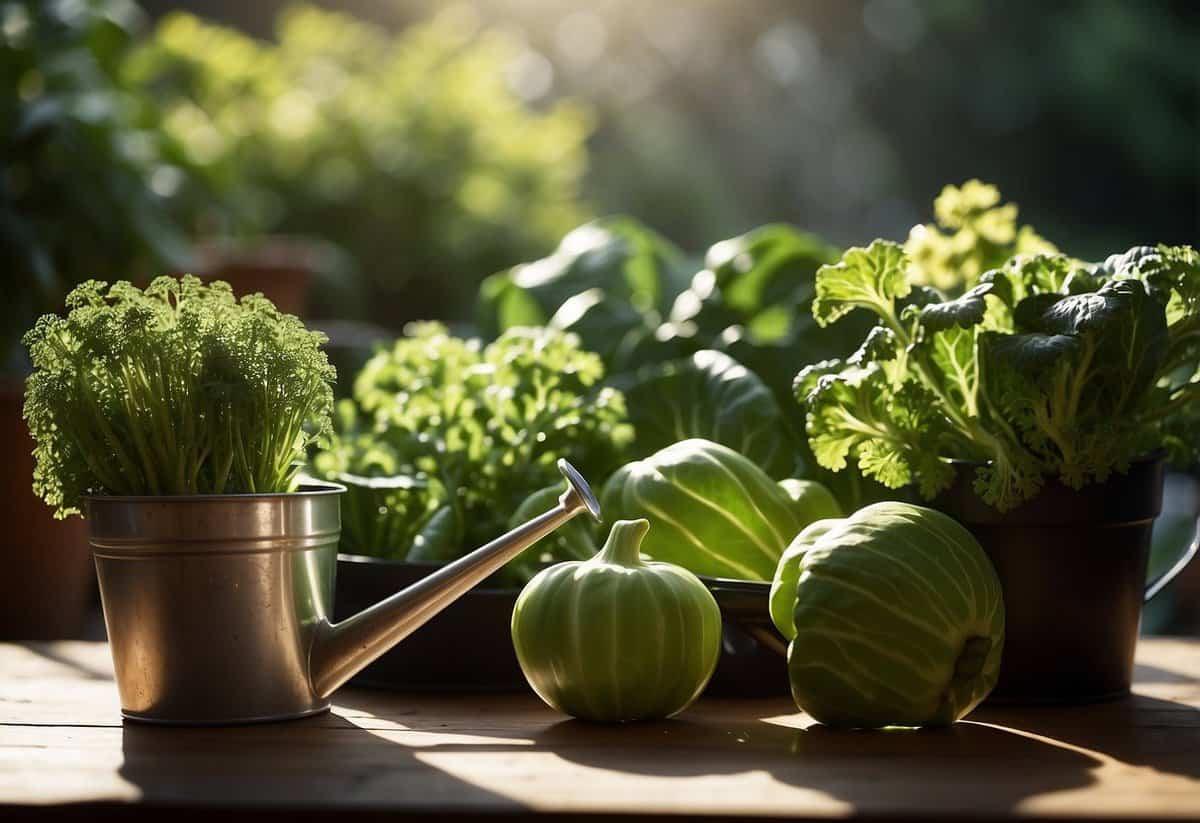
point(615, 638)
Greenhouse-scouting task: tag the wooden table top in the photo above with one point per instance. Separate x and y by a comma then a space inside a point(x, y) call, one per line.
point(62, 742)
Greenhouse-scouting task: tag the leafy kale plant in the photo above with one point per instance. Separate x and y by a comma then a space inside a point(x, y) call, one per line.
point(447, 437)
point(1045, 368)
point(178, 389)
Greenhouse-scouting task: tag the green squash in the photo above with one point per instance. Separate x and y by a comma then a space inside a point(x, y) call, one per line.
point(616, 638)
point(714, 512)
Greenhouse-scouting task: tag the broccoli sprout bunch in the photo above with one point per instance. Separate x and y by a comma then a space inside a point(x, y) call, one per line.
point(177, 389)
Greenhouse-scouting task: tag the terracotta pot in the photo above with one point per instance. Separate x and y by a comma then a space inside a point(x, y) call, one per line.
point(281, 268)
point(48, 580)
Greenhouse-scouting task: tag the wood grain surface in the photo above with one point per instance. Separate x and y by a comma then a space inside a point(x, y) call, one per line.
point(64, 752)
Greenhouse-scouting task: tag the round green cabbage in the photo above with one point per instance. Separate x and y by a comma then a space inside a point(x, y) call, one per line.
point(895, 617)
point(714, 512)
point(810, 500)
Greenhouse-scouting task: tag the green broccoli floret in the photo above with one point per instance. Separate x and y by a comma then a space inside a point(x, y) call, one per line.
point(177, 389)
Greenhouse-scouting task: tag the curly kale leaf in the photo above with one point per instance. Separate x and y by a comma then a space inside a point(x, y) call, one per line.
point(856, 413)
point(1019, 371)
point(1124, 332)
point(1173, 275)
point(872, 278)
point(964, 312)
point(880, 347)
point(1045, 368)
point(1073, 383)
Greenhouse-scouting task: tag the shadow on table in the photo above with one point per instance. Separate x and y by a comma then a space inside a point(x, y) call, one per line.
point(970, 766)
point(84, 668)
point(317, 763)
point(990, 764)
point(1137, 731)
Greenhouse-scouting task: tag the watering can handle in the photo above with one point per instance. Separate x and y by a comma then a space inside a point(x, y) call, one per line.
point(1159, 583)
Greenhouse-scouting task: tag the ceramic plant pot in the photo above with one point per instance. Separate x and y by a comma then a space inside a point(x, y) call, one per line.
point(1072, 564)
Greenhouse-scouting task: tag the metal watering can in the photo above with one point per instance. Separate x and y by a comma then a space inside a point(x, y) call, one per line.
point(217, 606)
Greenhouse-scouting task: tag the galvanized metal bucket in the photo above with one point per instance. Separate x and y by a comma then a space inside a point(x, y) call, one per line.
point(212, 602)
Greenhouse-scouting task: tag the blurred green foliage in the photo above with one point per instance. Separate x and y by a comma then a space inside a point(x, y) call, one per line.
point(847, 118)
point(87, 180)
point(974, 232)
point(410, 152)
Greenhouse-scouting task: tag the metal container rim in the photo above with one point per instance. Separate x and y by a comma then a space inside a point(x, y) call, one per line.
point(310, 488)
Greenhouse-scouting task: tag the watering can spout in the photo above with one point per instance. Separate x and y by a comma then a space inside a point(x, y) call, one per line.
point(341, 650)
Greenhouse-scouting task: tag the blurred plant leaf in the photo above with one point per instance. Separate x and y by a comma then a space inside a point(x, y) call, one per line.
point(711, 396)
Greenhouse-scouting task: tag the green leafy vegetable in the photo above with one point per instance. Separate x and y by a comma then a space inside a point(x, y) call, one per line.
point(633, 299)
point(178, 389)
point(477, 429)
point(714, 511)
point(712, 396)
point(752, 298)
point(871, 278)
point(610, 281)
point(895, 618)
point(1045, 368)
point(974, 233)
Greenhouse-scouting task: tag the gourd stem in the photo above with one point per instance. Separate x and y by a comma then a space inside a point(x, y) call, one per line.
point(624, 542)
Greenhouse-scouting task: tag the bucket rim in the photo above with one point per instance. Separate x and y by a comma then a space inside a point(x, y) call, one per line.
point(309, 488)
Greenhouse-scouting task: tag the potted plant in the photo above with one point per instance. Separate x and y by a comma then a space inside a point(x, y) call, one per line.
point(88, 184)
point(177, 418)
point(1038, 408)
